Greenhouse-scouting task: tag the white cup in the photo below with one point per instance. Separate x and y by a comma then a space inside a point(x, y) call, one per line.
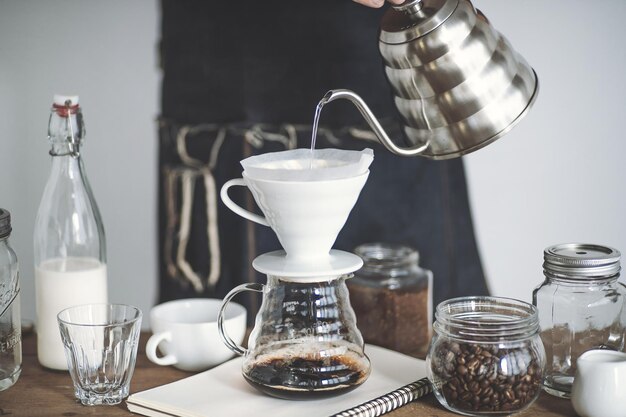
point(185, 331)
point(306, 216)
point(599, 388)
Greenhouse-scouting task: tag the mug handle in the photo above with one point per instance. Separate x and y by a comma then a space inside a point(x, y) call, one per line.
point(151, 349)
point(228, 341)
point(236, 208)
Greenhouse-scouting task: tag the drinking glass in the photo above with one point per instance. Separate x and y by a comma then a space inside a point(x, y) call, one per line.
point(100, 342)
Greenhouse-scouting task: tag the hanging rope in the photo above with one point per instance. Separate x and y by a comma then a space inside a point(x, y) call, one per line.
point(182, 180)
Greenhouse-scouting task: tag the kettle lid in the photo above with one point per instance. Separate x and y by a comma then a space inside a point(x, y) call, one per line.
point(414, 18)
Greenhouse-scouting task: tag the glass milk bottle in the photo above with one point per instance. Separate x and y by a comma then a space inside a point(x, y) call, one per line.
point(70, 251)
point(10, 324)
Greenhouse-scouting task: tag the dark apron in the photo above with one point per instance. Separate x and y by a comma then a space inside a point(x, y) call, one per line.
point(242, 78)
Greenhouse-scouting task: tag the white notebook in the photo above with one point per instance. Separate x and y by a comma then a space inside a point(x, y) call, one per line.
point(222, 391)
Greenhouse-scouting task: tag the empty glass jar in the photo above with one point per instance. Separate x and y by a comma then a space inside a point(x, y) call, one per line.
point(581, 307)
point(305, 343)
point(486, 356)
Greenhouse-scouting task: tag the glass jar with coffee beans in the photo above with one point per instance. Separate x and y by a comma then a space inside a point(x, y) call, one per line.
point(486, 356)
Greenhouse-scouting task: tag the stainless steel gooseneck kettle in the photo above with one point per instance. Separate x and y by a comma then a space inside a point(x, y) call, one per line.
point(457, 83)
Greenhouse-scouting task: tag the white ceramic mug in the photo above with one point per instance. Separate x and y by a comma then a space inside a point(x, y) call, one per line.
point(599, 388)
point(185, 331)
point(305, 215)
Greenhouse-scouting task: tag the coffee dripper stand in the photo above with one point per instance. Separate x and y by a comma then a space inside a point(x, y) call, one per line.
point(305, 343)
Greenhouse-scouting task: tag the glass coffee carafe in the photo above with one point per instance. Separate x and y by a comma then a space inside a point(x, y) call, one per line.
point(305, 343)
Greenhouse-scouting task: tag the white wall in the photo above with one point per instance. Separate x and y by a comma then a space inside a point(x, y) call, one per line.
point(105, 51)
point(556, 177)
point(559, 175)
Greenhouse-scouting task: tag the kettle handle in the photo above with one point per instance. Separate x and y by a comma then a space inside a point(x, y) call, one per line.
point(228, 341)
point(372, 121)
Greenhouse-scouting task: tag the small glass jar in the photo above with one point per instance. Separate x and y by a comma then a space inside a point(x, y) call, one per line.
point(581, 307)
point(10, 323)
point(486, 356)
point(392, 298)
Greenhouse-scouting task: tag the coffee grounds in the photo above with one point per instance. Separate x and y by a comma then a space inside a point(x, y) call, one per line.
point(303, 378)
point(391, 318)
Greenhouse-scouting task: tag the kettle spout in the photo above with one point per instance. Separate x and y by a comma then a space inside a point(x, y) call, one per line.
point(372, 121)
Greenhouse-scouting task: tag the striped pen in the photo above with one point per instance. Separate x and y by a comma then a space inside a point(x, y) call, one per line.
point(389, 402)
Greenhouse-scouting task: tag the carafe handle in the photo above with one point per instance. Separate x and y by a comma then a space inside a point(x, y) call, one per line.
point(235, 207)
point(228, 341)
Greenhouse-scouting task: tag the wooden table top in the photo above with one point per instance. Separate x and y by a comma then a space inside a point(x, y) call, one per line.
point(41, 392)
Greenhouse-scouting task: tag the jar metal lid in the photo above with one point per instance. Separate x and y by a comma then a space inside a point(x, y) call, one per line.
point(581, 260)
point(5, 223)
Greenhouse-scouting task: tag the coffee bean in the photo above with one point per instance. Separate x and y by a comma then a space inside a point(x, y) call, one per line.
point(473, 379)
point(509, 394)
point(472, 364)
point(474, 387)
point(466, 396)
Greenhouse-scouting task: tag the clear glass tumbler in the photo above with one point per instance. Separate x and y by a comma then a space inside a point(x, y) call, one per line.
point(100, 343)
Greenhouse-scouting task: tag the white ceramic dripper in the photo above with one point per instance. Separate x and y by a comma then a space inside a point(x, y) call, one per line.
point(306, 198)
point(306, 216)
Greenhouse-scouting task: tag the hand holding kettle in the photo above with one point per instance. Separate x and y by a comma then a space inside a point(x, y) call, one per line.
point(377, 3)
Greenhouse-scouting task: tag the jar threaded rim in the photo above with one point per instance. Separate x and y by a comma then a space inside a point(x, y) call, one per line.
point(486, 319)
point(386, 255)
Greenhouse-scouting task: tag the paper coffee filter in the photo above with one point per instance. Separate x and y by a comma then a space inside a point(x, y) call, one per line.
point(304, 165)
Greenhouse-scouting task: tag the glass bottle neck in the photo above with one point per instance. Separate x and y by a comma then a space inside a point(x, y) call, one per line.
point(65, 148)
point(65, 164)
point(66, 131)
